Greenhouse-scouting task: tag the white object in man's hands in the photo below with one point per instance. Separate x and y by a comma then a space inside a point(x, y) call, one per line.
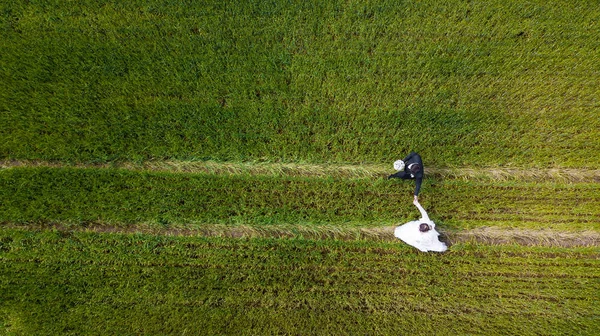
point(399, 165)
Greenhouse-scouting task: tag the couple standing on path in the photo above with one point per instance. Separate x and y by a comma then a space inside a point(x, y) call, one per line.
point(420, 233)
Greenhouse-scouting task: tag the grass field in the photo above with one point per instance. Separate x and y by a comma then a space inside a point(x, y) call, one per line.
point(218, 167)
point(65, 272)
point(121, 198)
point(306, 81)
point(61, 283)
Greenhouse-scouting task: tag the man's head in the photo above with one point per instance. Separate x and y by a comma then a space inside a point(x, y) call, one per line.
point(424, 227)
point(414, 168)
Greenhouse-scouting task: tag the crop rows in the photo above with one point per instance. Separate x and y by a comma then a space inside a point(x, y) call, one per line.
point(121, 198)
point(133, 133)
point(464, 83)
point(53, 282)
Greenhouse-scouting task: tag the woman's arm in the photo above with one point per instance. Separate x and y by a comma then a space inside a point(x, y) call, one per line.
point(423, 212)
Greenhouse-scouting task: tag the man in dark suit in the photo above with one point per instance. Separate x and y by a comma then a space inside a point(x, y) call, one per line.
point(413, 169)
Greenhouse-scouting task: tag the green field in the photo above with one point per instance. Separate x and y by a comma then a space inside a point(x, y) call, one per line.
point(59, 283)
point(218, 167)
point(81, 197)
point(302, 81)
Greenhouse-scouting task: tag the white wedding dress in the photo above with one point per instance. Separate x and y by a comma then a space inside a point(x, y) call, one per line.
point(424, 241)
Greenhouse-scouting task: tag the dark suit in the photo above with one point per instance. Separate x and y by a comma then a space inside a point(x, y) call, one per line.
point(407, 174)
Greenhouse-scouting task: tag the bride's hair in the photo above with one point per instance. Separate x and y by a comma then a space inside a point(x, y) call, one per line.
point(424, 227)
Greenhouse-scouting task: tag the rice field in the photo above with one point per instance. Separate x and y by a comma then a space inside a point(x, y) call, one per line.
point(78, 283)
point(113, 250)
point(218, 167)
point(81, 197)
point(463, 83)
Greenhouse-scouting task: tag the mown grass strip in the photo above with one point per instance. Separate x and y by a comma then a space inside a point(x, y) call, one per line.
point(482, 235)
point(56, 282)
point(495, 174)
point(82, 197)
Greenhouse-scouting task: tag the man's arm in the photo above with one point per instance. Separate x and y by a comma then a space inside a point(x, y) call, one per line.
point(400, 174)
point(409, 156)
point(418, 182)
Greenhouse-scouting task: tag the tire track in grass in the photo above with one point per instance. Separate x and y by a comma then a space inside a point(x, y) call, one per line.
point(483, 235)
point(559, 175)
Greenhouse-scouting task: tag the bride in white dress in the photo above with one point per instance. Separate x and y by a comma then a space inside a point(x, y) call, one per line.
point(421, 233)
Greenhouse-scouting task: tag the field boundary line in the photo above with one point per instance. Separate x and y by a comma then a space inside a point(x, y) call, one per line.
point(559, 175)
point(483, 235)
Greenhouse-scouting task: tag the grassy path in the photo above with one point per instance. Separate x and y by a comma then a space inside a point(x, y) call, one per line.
point(484, 235)
point(495, 174)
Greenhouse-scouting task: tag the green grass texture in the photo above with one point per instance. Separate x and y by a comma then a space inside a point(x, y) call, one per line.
point(80, 283)
point(492, 83)
point(83, 283)
point(80, 197)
